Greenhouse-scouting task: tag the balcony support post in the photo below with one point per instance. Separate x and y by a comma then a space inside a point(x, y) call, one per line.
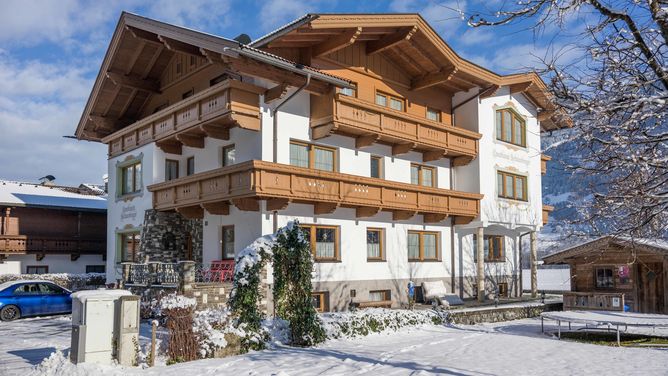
point(534, 264)
point(480, 264)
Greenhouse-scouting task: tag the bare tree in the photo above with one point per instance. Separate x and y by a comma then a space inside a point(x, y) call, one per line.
point(616, 93)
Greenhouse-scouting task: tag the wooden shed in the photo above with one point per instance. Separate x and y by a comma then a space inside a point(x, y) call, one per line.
point(611, 272)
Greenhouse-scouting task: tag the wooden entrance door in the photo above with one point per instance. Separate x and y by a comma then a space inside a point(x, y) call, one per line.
point(650, 287)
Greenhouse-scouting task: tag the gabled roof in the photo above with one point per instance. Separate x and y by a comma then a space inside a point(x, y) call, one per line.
point(412, 42)
point(596, 245)
point(48, 197)
point(140, 50)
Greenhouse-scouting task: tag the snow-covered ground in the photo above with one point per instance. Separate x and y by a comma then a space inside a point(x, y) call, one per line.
point(510, 348)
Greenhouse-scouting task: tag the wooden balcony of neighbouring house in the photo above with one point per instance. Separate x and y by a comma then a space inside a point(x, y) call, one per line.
point(543, 163)
point(369, 123)
point(244, 184)
point(23, 244)
point(547, 209)
point(209, 113)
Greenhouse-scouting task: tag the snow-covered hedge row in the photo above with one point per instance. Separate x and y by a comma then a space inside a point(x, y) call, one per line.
point(377, 320)
point(69, 281)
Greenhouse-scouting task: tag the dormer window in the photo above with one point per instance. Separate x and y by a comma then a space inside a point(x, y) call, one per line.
point(510, 127)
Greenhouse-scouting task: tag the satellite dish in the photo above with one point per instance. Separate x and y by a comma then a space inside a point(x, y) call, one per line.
point(243, 39)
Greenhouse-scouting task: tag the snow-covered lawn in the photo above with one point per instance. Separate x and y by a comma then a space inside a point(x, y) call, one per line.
point(510, 348)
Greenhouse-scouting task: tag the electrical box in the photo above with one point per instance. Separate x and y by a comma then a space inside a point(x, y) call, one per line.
point(127, 330)
point(94, 333)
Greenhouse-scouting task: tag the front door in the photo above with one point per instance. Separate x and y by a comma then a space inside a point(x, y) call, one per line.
point(650, 287)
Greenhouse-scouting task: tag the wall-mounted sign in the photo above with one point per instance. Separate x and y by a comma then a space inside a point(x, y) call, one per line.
point(128, 212)
point(615, 302)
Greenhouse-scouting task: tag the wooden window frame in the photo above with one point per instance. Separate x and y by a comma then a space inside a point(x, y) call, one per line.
point(324, 300)
point(136, 245)
point(223, 242)
point(354, 92)
point(311, 154)
point(388, 98)
point(136, 188)
point(312, 242)
point(612, 275)
point(37, 267)
point(425, 167)
point(502, 288)
point(381, 236)
point(503, 193)
point(437, 111)
point(167, 162)
point(387, 295)
point(489, 256)
point(190, 171)
point(104, 267)
point(513, 115)
point(223, 153)
point(421, 245)
point(381, 173)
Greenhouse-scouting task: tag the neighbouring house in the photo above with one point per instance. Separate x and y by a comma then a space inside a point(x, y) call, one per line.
point(401, 159)
point(611, 272)
point(45, 228)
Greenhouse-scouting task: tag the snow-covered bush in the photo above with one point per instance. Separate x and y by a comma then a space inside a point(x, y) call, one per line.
point(377, 320)
point(70, 281)
point(215, 332)
point(178, 312)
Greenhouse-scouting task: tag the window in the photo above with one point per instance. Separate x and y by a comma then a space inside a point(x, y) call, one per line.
point(380, 295)
point(49, 289)
point(433, 114)
point(422, 246)
point(190, 166)
point(374, 244)
point(376, 167)
point(510, 127)
point(312, 156)
point(324, 242)
point(171, 169)
point(95, 268)
point(228, 242)
point(604, 279)
point(387, 100)
point(423, 175)
point(129, 242)
point(348, 91)
point(28, 289)
point(320, 301)
point(39, 269)
point(493, 248)
point(229, 155)
point(188, 94)
point(503, 289)
point(131, 178)
point(511, 186)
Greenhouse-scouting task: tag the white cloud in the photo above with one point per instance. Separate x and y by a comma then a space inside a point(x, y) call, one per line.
point(197, 14)
point(275, 13)
point(446, 17)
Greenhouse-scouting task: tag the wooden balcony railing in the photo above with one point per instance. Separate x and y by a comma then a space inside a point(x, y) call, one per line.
point(543, 163)
point(22, 244)
point(210, 113)
point(547, 209)
point(371, 123)
point(245, 183)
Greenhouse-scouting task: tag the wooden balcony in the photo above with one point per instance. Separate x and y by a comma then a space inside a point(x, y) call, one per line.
point(369, 123)
point(245, 183)
point(543, 163)
point(22, 244)
point(210, 113)
point(547, 209)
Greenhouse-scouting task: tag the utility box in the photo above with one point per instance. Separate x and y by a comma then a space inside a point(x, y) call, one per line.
point(126, 328)
point(94, 327)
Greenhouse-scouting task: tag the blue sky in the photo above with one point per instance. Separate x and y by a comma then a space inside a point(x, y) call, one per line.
point(50, 52)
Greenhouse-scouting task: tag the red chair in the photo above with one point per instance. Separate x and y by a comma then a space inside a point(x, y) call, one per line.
point(222, 271)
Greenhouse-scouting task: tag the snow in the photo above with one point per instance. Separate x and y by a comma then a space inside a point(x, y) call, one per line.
point(174, 301)
point(509, 348)
point(35, 195)
point(608, 317)
point(84, 295)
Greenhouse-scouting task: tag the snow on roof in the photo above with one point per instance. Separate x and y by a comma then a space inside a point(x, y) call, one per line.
point(43, 196)
point(646, 244)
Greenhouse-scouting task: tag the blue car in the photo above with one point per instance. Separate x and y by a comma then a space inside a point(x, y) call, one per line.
point(33, 298)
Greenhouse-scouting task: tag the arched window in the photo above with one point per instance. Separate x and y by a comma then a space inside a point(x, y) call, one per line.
point(510, 127)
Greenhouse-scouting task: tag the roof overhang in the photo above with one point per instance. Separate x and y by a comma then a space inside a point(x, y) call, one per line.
point(595, 246)
point(139, 52)
point(410, 42)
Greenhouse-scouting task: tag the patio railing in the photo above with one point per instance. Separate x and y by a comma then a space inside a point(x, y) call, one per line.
point(177, 274)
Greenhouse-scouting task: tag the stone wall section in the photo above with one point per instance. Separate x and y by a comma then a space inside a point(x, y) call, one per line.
point(164, 237)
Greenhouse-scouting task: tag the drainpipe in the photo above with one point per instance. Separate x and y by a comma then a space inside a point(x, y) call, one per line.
point(520, 262)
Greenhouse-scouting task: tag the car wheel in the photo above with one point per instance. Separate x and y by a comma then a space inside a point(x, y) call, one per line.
point(9, 313)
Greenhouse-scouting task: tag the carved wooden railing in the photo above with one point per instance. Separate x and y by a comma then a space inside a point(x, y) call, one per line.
point(369, 122)
point(547, 209)
point(543, 163)
point(21, 244)
point(208, 113)
point(245, 183)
